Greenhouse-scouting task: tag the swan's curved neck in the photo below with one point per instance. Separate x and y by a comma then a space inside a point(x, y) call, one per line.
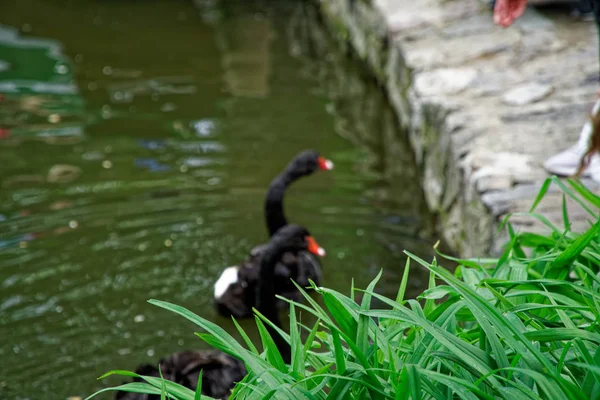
point(266, 302)
point(274, 214)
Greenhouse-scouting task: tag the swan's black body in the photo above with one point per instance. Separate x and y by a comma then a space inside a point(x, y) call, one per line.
point(220, 371)
point(300, 266)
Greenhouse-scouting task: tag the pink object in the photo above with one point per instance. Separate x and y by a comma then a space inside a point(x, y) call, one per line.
point(4, 133)
point(507, 11)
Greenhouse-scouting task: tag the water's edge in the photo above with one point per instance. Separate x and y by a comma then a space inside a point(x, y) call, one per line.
point(463, 220)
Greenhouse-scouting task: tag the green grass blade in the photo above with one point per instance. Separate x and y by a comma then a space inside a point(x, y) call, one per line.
point(574, 249)
point(134, 387)
point(574, 196)
point(584, 192)
point(163, 388)
point(340, 389)
point(245, 337)
point(362, 330)
point(430, 303)
point(172, 388)
point(119, 372)
point(565, 213)
point(404, 282)
point(311, 337)
point(341, 315)
point(340, 359)
point(559, 334)
point(227, 343)
point(198, 394)
point(414, 379)
point(541, 194)
point(273, 354)
point(461, 387)
point(297, 360)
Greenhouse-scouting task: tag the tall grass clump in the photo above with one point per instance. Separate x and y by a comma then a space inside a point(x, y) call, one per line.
point(521, 326)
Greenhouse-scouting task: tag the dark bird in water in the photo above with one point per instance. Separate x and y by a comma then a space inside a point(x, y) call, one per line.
point(235, 288)
point(220, 372)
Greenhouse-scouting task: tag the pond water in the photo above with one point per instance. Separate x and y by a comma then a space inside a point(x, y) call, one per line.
point(137, 139)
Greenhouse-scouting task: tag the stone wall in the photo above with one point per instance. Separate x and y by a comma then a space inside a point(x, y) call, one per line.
point(448, 73)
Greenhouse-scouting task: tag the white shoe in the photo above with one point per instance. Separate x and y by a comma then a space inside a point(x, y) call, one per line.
point(567, 161)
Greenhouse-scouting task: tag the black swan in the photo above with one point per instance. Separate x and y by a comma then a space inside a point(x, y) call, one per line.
point(234, 290)
point(221, 371)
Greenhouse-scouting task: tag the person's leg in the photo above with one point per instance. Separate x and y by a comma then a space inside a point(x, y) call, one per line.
point(566, 162)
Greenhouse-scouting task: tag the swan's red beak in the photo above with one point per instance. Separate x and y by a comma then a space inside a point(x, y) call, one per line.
point(325, 164)
point(314, 247)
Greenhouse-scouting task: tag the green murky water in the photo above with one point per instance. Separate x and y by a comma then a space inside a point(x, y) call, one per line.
point(137, 139)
